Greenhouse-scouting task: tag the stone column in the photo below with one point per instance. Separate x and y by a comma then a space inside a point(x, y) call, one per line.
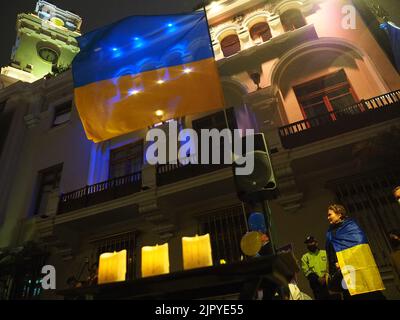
point(10, 158)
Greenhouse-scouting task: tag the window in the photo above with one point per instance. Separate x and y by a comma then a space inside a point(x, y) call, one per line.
point(260, 31)
point(292, 19)
point(215, 121)
point(226, 228)
point(62, 113)
point(330, 93)
point(124, 241)
point(48, 195)
point(230, 45)
point(126, 160)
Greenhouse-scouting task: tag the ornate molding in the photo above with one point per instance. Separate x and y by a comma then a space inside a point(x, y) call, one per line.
point(31, 120)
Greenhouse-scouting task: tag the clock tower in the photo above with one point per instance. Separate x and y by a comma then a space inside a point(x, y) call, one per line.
point(46, 42)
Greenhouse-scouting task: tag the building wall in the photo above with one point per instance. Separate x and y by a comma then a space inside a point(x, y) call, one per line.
point(42, 146)
point(356, 51)
point(361, 37)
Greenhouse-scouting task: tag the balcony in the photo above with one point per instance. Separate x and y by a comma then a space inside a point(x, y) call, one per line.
point(359, 115)
point(100, 192)
point(170, 173)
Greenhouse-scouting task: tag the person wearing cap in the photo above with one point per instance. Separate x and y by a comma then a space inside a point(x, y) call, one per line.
point(315, 268)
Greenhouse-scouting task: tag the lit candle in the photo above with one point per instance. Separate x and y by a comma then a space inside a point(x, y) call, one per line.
point(155, 260)
point(196, 252)
point(112, 267)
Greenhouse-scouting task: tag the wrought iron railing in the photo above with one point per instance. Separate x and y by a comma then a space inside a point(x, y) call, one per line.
point(358, 115)
point(184, 169)
point(100, 192)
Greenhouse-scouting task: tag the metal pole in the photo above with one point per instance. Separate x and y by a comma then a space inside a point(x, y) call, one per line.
point(267, 215)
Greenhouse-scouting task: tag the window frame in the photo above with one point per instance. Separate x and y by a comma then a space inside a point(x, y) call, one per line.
point(291, 27)
point(232, 47)
point(117, 242)
point(230, 114)
point(325, 91)
point(254, 35)
point(222, 240)
point(214, 124)
point(60, 110)
point(57, 171)
point(128, 158)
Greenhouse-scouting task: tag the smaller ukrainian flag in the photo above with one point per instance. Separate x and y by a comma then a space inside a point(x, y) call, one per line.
point(143, 69)
point(355, 258)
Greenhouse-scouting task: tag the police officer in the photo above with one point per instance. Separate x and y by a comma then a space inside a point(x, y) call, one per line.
point(314, 264)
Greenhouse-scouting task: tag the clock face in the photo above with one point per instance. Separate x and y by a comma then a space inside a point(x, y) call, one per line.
point(48, 55)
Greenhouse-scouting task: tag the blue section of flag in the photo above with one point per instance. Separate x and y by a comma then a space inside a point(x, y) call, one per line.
point(141, 43)
point(346, 236)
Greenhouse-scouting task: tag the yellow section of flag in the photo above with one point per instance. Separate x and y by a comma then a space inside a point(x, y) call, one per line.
point(359, 270)
point(114, 107)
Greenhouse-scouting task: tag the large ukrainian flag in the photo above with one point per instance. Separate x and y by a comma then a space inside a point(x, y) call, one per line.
point(132, 73)
point(355, 258)
point(394, 36)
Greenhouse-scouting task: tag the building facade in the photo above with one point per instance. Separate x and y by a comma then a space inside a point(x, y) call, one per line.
point(325, 95)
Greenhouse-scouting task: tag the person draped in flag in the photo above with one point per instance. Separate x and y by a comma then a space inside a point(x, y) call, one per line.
point(352, 267)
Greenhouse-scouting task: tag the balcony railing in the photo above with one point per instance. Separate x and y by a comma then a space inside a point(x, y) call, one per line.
point(170, 173)
point(356, 116)
point(100, 192)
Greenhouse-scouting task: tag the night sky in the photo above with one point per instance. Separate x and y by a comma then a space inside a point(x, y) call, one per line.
point(94, 14)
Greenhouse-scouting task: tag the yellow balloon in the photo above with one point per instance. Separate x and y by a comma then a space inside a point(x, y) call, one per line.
point(251, 243)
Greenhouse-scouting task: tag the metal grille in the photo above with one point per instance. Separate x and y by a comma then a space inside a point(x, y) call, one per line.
point(226, 228)
point(117, 243)
point(369, 199)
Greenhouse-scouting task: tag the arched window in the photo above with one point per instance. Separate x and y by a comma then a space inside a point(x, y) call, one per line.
point(260, 30)
point(292, 19)
point(230, 45)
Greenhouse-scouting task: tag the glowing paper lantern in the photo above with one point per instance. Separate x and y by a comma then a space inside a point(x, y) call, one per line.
point(251, 243)
point(196, 252)
point(155, 260)
point(112, 267)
